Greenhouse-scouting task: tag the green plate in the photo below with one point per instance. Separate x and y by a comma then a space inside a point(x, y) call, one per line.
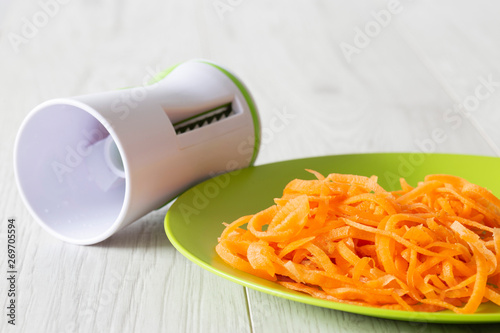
point(194, 221)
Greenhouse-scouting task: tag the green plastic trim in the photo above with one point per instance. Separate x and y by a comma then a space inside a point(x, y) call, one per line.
point(248, 98)
point(163, 74)
point(157, 78)
point(251, 106)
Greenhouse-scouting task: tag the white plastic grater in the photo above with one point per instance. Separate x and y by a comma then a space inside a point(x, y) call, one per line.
point(88, 166)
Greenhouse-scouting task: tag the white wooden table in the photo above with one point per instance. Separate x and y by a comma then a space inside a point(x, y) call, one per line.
point(353, 78)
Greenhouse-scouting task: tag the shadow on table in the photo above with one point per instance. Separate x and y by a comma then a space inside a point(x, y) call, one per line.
point(360, 323)
point(145, 233)
point(266, 307)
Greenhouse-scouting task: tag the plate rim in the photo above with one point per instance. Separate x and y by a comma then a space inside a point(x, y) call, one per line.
point(400, 315)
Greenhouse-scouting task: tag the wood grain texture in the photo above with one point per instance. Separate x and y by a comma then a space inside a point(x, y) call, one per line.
point(271, 314)
point(395, 94)
point(459, 49)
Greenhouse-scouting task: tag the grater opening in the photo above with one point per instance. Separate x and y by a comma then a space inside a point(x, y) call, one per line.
point(204, 119)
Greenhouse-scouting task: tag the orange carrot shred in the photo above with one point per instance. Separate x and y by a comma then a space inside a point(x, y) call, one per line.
point(344, 238)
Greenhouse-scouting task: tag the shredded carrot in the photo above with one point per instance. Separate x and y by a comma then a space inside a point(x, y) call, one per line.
point(344, 238)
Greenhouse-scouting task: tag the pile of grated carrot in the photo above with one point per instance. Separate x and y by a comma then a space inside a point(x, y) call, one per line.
point(346, 239)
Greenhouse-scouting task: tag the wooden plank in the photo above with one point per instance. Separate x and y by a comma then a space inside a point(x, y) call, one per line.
point(392, 96)
point(384, 100)
point(459, 46)
point(135, 281)
point(272, 314)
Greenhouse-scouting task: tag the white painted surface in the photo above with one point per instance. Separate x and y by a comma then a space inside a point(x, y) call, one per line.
point(396, 92)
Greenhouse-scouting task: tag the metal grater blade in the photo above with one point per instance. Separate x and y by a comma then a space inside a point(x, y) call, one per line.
point(204, 119)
